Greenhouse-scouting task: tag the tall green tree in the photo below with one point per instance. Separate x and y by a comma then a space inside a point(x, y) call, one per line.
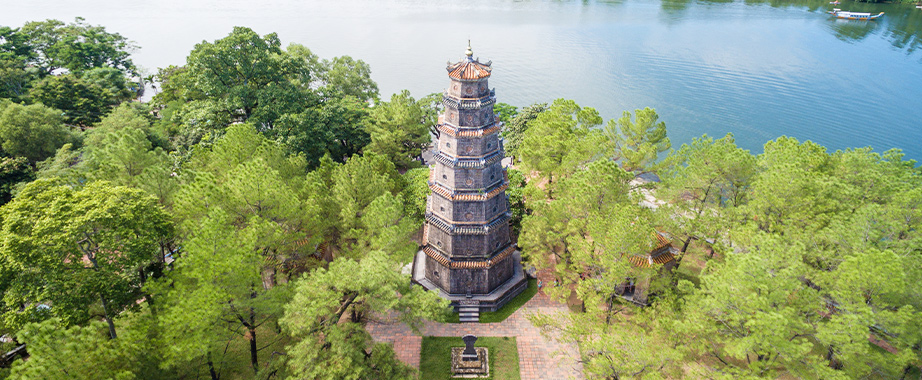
point(560, 140)
point(13, 170)
point(793, 190)
point(337, 127)
point(705, 182)
point(15, 79)
point(335, 78)
point(65, 166)
point(754, 315)
point(125, 157)
point(83, 103)
point(255, 182)
point(34, 131)
point(113, 82)
point(328, 348)
point(558, 229)
point(80, 250)
point(514, 129)
point(216, 294)
point(134, 115)
point(345, 76)
point(363, 207)
point(16, 74)
point(75, 47)
point(85, 352)
point(247, 232)
point(243, 77)
point(637, 143)
point(506, 112)
point(399, 130)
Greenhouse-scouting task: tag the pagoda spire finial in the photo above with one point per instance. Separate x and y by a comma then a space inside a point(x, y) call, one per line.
point(469, 53)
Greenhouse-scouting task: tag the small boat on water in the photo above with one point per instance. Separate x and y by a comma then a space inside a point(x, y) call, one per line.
point(854, 15)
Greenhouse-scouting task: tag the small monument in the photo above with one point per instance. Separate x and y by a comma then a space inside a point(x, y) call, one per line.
point(469, 361)
point(469, 353)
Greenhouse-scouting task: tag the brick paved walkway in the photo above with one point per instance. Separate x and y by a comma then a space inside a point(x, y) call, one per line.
point(539, 358)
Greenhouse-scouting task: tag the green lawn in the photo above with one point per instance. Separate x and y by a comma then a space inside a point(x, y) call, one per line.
point(435, 361)
point(513, 305)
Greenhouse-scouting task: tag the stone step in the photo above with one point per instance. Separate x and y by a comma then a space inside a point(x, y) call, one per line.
point(469, 314)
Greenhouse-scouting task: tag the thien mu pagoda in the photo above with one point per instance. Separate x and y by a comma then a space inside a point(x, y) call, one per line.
point(467, 252)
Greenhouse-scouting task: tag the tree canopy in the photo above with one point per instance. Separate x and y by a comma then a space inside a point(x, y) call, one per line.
point(252, 218)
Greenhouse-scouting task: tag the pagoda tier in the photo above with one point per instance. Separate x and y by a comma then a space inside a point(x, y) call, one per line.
point(467, 248)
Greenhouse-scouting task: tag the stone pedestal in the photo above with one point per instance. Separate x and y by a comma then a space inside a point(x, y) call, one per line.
point(485, 302)
point(466, 369)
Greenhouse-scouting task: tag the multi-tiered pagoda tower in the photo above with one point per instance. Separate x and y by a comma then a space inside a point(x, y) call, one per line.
point(467, 252)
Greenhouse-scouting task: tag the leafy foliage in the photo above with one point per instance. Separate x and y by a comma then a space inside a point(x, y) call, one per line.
point(242, 77)
point(73, 249)
point(636, 143)
point(399, 130)
point(85, 352)
point(34, 132)
point(331, 349)
point(362, 207)
point(560, 140)
point(51, 45)
point(514, 129)
point(13, 170)
point(83, 103)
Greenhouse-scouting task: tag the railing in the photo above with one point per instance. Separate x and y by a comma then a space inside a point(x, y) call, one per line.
point(453, 229)
point(469, 103)
point(469, 163)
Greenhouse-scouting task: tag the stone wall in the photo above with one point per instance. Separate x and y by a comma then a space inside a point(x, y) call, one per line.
point(470, 246)
point(467, 211)
point(468, 179)
point(466, 89)
point(477, 281)
point(468, 146)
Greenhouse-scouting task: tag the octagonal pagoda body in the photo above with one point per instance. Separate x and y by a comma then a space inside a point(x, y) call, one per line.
point(467, 251)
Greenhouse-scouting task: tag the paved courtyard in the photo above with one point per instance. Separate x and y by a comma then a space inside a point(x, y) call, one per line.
point(539, 357)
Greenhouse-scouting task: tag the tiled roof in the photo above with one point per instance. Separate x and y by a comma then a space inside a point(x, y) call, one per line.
point(640, 261)
point(437, 256)
point(661, 240)
point(454, 196)
point(469, 69)
point(450, 130)
point(663, 256)
point(469, 162)
point(479, 228)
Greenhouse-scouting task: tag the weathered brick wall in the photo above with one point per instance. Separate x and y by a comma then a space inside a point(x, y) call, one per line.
point(470, 246)
point(476, 89)
point(436, 273)
point(482, 211)
point(458, 178)
point(468, 146)
point(500, 272)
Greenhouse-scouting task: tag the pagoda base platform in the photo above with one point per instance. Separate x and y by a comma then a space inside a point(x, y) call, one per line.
point(485, 302)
